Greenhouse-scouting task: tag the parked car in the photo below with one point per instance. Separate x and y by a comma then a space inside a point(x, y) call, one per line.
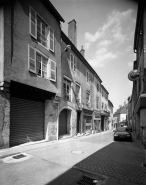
point(122, 133)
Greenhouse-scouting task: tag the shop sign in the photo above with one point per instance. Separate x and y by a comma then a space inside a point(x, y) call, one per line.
point(134, 75)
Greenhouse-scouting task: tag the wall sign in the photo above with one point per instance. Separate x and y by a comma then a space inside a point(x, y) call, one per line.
point(134, 75)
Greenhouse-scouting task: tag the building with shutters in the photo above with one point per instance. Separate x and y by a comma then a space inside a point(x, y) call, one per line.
point(80, 108)
point(30, 71)
point(46, 91)
point(104, 109)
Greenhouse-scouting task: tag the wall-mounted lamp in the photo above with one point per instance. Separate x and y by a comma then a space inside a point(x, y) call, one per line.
point(67, 48)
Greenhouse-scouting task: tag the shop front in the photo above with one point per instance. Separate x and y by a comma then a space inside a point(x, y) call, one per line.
point(87, 121)
point(96, 121)
point(104, 120)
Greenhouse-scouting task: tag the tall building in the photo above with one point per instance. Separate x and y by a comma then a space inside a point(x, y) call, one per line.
point(139, 86)
point(81, 98)
point(48, 90)
point(30, 63)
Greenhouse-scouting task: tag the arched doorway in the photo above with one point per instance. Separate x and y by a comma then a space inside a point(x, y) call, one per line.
point(64, 122)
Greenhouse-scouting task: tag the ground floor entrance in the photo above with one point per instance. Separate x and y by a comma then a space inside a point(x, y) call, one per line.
point(64, 122)
point(26, 120)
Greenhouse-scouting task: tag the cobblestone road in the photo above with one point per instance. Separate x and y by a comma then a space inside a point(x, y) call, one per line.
point(121, 160)
point(61, 163)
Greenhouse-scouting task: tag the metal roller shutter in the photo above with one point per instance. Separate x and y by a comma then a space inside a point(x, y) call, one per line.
point(26, 121)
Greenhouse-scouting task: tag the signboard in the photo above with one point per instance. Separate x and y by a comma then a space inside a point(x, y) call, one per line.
point(134, 75)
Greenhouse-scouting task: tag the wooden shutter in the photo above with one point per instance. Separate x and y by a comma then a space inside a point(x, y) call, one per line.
point(74, 63)
point(52, 70)
point(71, 59)
point(51, 39)
point(32, 23)
point(31, 59)
point(48, 37)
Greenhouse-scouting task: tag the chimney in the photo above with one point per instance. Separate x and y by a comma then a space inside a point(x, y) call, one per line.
point(72, 32)
point(82, 51)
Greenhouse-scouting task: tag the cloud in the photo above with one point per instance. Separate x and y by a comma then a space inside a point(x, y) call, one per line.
point(101, 57)
point(112, 28)
point(104, 43)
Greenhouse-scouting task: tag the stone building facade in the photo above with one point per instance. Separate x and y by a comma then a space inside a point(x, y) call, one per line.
point(30, 63)
point(81, 101)
point(48, 90)
point(105, 114)
point(138, 97)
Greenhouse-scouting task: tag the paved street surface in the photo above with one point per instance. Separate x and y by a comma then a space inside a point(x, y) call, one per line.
point(65, 162)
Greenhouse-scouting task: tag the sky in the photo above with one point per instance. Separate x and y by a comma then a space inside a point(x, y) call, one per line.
point(105, 28)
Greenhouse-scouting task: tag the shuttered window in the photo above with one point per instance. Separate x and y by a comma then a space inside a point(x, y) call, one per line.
point(51, 39)
point(40, 30)
point(32, 59)
point(32, 19)
point(40, 65)
point(53, 70)
point(72, 62)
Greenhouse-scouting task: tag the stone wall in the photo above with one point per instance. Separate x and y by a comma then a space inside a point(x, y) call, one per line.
point(4, 119)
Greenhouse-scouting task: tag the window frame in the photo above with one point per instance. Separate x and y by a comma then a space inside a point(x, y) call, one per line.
point(97, 86)
point(35, 63)
point(97, 102)
point(67, 81)
point(47, 30)
point(78, 96)
point(42, 56)
point(87, 76)
point(52, 70)
point(73, 63)
point(88, 102)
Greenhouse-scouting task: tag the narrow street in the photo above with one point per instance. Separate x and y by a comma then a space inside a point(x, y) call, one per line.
point(64, 162)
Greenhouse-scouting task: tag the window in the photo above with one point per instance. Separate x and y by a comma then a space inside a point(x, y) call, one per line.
point(78, 93)
point(51, 39)
point(97, 87)
point(97, 101)
point(73, 62)
point(87, 76)
point(41, 32)
point(53, 70)
point(88, 98)
point(67, 89)
point(39, 29)
point(102, 106)
point(41, 65)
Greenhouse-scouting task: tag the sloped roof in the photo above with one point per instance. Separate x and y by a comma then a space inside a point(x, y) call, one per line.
point(118, 111)
point(124, 110)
